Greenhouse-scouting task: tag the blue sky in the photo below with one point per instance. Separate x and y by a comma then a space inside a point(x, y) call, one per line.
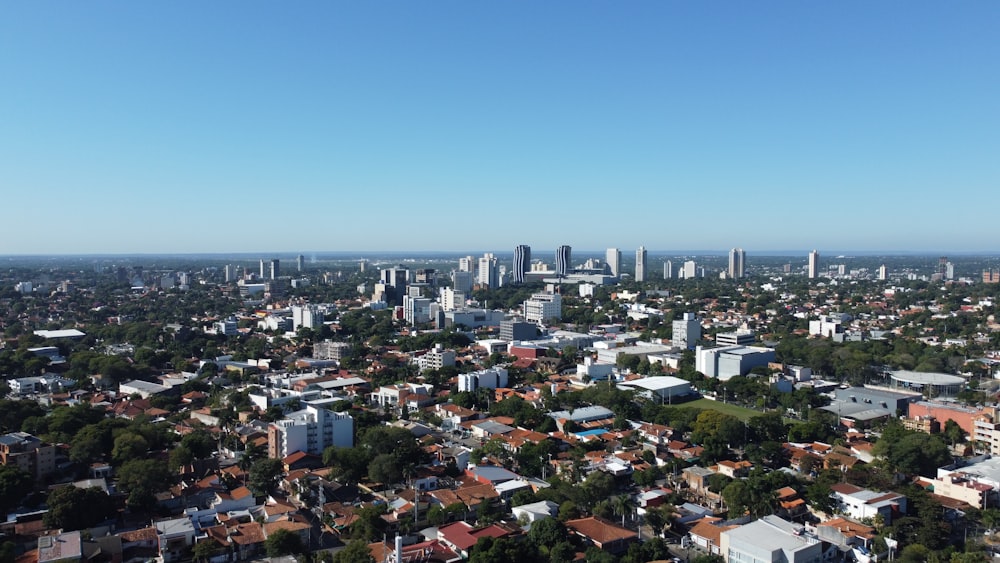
point(225, 126)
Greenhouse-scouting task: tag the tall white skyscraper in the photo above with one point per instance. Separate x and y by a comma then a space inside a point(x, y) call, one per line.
point(668, 270)
point(613, 258)
point(883, 272)
point(690, 270)
point(813, 264)
point(640, 264)
point(488, 273)
point(737, 263)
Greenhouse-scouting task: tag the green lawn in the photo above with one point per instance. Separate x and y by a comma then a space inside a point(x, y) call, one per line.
point(741, 413)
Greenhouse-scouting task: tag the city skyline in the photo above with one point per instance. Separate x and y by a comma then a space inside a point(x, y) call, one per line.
point(191, 128)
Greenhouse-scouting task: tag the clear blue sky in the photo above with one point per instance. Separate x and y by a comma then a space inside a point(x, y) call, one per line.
point(231, 126)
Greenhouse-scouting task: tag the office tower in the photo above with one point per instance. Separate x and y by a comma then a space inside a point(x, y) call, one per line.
point(462, 281)
point(308, 316)
point(737, 263)
point(813, 264)
point(522, 262)
point(690, 270)
point(275, 269)
point(613, 258)
point(640, 264)
point(263, 269)
point(542, 308)
point(466, 264)
point(686, 331)
point(949, 271)
point(300, 262)
point(668, 270)
point(363, 265)
point(563, 259)
point(488, 272)
point(229, 272)
point(883, 272)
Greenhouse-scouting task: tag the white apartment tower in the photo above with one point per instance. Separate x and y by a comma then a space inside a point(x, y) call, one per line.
point(668, 270)
point(690, 270)
point(813, 264)
point(640, 264)
point(543, 307)
point(488, 273)
point(310, 430)
point(883, 272)
point(613, 258)
point(737, 263)
point(309, 316)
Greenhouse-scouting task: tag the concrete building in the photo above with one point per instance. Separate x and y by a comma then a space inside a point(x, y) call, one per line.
point(226, 327)
point(737, 263)
point(690, 270)
point(275, 269)
point(308, 316)
point(564, 260)
point(738, 338)
point(640, 264)
point(686, 331)
point(511, 330)
point(488, 271)
point(310, 430)
point(330, 350)
point(461, 281)
point(33, 456)
point(770, 539)
point(668, 270)
point(492, 378)
point(522, 263)
point(542, 308)
point(861, 503)
point(437, 358)
point(416, 310)
point(474, 318)
point(813, 264)
point(883, 273)
point(451, 299)
point(613, 260)
point(726, 362)
point(663, 388)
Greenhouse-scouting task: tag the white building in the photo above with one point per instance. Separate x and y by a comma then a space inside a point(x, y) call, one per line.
point(861, 503)
point(416, 310)
point(686, 331)
point(493, 378)
point(770, 539)
point(452, 299)
point(543, 307)
point(488, 271)
point(613, 258)
point(309, 316)
point(310, 430)
point(813, 264)
point(689, 270)
point(738, 338)
point(436, 358)
point(726, 362)
point(737, 263)
point(640, 264)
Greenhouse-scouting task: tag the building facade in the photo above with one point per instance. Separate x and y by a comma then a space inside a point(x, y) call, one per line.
point(310, 430)
point(522, 263)
point(737, 263)
point(613, 260)
point(640, 264)
point(564, 257)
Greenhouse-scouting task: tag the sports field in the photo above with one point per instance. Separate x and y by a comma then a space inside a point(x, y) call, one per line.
point(741, 413)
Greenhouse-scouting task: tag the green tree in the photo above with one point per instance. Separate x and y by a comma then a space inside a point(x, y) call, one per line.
point(264, 475)
point(142, 479)
point(129, 446)
point(283, 542)
point(71, 508)
point(15, 485)
point(356, 551)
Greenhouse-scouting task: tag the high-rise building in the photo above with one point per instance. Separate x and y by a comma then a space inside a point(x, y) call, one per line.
point(564, 257)
point(543, 307)
point(462, 281)
point(522, 262)
point(308, 316)
point(310, 430)
point(668, 270)
point(300, 262)
point(263, 269)
point(229, 273)
point(690, 270)
point(466, 264)
point(640, 264)
point(488, 273)
point(813, 264)
point(737, 263)
point(275, 269)
point(883, 272)
point(686, 331)
point(613, 258)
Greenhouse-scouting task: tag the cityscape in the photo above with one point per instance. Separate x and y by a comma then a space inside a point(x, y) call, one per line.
point(624, 405)
point(493, 282)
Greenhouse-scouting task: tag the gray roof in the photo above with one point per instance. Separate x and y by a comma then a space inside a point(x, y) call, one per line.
point(583, 414)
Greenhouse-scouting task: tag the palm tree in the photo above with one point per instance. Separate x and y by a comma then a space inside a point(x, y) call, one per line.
point(622, 506)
